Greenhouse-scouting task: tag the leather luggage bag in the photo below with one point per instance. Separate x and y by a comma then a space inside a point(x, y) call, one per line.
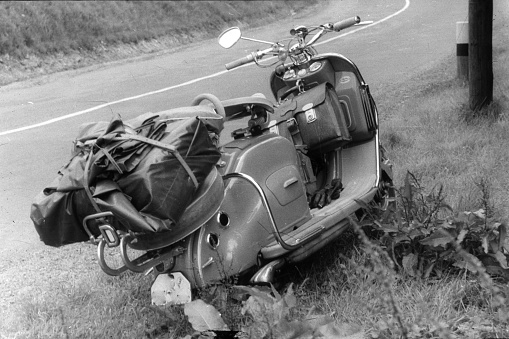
point(316, 120)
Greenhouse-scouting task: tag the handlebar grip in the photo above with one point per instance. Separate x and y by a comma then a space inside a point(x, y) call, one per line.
point(239, 62)
point(340, 25)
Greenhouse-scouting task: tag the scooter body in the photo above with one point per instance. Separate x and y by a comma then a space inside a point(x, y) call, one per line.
point(230, 242)
point(258, 216)
point(241, 237)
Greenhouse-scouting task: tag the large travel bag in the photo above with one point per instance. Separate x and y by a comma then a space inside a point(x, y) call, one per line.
point(145, 171)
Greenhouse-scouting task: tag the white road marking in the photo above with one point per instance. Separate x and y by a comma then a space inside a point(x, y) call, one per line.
point(95, 108)
point(407, 4)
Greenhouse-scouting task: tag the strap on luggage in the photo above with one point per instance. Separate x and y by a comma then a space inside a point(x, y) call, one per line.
point(86, 185)
point(293, 128)
point(172, 149)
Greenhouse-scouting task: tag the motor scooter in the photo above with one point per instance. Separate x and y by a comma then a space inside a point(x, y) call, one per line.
point(285, 184)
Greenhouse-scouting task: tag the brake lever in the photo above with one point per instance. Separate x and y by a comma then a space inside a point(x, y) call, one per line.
point(316, 36)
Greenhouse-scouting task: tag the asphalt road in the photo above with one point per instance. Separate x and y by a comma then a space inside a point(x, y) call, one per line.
point(388, 53)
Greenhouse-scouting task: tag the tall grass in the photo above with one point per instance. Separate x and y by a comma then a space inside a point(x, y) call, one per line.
point(49, 27)
point(354, 294)
point(43, 37)
point(61, 293)
point(359, 287)
point(432, 133)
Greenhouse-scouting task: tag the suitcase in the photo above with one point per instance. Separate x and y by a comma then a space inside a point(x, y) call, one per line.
point(316, 120)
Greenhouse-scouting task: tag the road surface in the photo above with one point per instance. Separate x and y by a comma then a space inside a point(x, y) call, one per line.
point(412, 36)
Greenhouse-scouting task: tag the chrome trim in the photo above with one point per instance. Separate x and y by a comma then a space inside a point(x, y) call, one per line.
point(110, 235)
point(220, 215)
point(267, 272)
point(208, 263)
point(377, 142)
point(212, 240)
point(102, 263)
point(147, 260)
point(142, 263)
point(95, 216)
point(263, 197)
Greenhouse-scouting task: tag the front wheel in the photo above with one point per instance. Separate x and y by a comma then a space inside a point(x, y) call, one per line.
point(383, 203)
point(385, 197)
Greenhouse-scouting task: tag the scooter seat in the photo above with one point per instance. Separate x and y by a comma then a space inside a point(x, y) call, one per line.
point(236, 108)
point(206, 203)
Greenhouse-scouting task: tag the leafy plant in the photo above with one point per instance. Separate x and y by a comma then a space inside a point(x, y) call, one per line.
point(204, 317)
point(271, 317)
point(420, 235)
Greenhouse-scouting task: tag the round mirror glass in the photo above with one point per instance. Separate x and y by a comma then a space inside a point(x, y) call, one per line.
point(229, 37)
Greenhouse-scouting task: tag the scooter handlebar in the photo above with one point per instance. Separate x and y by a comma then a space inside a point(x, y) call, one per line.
point(340, 25)
point(250, 58)
point(240, 62)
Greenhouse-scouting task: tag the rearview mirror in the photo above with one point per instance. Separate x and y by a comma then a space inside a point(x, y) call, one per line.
point(229, 37)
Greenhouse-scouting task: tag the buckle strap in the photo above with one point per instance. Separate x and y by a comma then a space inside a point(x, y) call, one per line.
point(293, 128)
point(111, 159)
point(172, 149)
point(86, 184)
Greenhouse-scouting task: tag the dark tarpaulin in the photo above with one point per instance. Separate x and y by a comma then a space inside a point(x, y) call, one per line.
point(145, 186)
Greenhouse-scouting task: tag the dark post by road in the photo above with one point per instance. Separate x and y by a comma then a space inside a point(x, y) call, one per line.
point(462, 49)
point(480, 55)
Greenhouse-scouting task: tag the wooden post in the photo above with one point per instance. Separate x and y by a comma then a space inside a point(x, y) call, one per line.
point(462, 49)
point(480, 55)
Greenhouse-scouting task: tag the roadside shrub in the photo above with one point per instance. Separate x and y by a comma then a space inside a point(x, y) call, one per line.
point(424, 236)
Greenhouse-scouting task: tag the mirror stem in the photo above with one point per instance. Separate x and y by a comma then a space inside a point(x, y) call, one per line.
point(256, 40)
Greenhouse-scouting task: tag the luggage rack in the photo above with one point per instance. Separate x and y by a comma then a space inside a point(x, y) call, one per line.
point(113, 238)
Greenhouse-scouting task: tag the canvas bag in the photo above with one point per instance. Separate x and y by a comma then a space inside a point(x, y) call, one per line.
point(124, 171)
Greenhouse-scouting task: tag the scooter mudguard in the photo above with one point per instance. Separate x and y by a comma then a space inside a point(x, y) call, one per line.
point(230, 243)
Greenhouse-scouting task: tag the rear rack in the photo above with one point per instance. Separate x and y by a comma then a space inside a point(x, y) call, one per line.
point(112, 238)
point(105, 227)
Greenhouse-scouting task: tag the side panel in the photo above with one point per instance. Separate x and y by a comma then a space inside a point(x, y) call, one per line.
point(229, 243)
point(272, 161)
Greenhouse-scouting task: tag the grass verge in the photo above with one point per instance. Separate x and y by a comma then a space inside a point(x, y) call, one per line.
point(45, 37)
point(427, 132)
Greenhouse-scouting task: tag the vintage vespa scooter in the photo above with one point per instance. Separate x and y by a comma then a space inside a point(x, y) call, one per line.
point(285, 184)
